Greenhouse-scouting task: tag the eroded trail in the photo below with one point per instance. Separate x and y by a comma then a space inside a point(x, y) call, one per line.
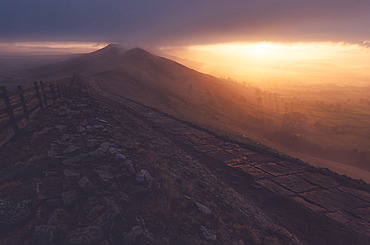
point(100, 169)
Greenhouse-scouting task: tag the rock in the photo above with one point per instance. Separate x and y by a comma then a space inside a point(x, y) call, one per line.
point(91, 143)
point(87, 235)
point(90, 129)
point(71, 174)
point(133, 234)
point(75, 159)
point(99, 127)
point(107, 216)
point(204, 209)
point(56, 150)
point(102, 121)
point(130, 167)
point(54, 202)
point(50, 173)
point(65, 137)
point(71, 196)
point(138, 235)
point(81, 105)
point(43, 234)
point(122, 197)
point(60, 127)
point(120, 157)
point(73, 138)
point(104, 147)
point(138, 190)
point(240, 242)
point(49, 187)
point(208, 234)
point(149, 182)
point(68, 113)
point(86, 185)
point(61, 219)
point(97, 153)
point(105, 177)
point(93, 121)
point(12, 212)
point(71, 149)
point(90, 203)
point(142, 175)
point(113, 150)
point(95, 212)
point(80, 129)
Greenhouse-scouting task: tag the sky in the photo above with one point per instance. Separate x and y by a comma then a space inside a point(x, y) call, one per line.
point(182, 23)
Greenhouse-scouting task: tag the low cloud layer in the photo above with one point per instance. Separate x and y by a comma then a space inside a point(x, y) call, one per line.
point(169, 22)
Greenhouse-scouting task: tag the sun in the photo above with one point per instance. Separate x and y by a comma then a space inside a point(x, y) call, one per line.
point(262, 49)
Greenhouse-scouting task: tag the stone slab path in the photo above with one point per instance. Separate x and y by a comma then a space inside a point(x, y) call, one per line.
point(86, 173)
point(317, 191)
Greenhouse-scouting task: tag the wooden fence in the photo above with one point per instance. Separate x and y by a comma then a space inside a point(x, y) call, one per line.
point(19, 105)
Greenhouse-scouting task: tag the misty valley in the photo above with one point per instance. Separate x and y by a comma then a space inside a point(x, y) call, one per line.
point(324, 122)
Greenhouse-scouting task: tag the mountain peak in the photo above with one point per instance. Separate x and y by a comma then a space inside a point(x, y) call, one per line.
point(111, 49)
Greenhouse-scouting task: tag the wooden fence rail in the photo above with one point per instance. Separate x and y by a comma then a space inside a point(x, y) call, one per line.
point(20, 104)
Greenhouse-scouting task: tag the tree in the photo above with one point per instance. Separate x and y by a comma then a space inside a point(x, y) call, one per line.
point(293, 120)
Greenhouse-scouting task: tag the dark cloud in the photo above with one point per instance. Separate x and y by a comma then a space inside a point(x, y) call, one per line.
point(168, 22)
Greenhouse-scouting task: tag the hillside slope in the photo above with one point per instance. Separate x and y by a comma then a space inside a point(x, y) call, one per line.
point(165, 84)
point(218, 104)
point(91, 170)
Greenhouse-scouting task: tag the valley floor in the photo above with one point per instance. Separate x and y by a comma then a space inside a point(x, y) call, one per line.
point(100, 169)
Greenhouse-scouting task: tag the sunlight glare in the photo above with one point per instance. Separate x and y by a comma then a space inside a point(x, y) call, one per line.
point(270, 51)
point(271, 61)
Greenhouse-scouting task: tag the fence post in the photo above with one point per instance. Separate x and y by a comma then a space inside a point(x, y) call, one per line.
point(23, 101)
point(65, 90)
point(59, 94)
point(52, 92)
point(73, 80)
point(43, 93)
point(38, 95)
point(9, 108)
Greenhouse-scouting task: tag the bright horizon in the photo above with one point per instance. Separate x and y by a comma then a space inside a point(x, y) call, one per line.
point(312, 62)
point(254, 62)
